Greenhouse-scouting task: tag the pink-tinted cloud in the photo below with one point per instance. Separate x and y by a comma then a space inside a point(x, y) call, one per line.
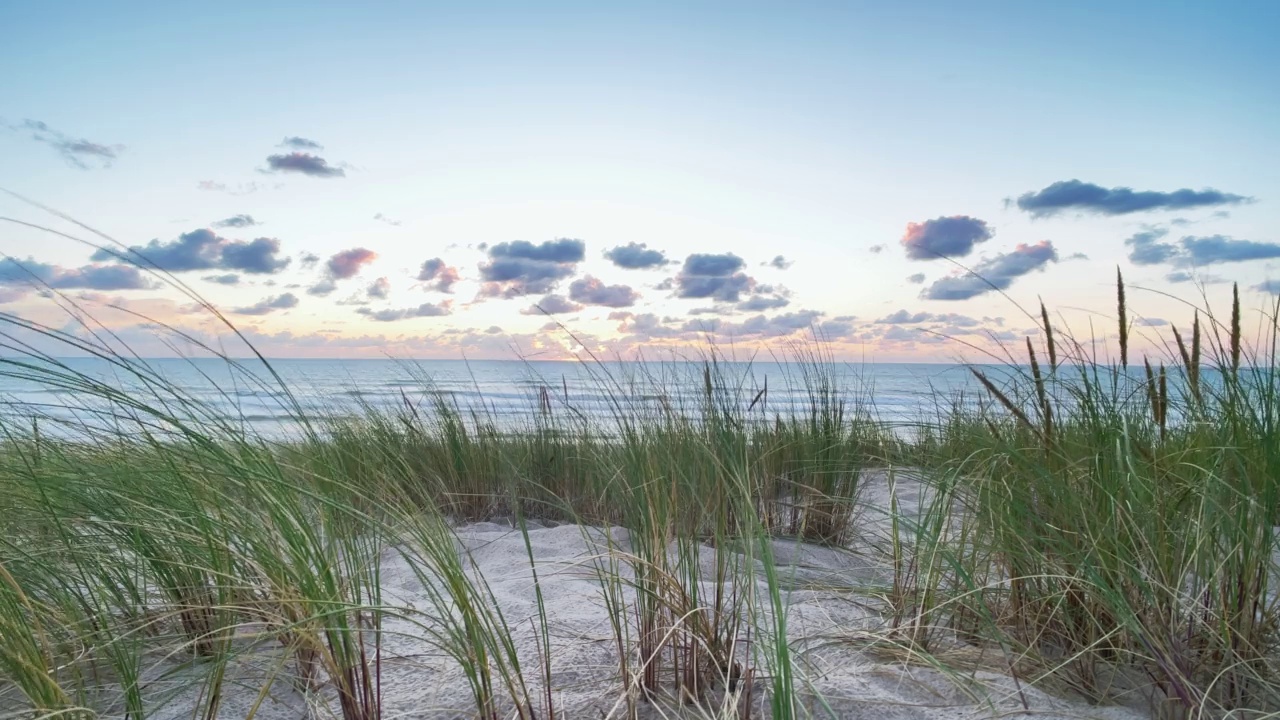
point(348, 263)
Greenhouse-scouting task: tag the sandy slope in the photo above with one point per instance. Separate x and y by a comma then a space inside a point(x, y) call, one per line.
point(826, 602)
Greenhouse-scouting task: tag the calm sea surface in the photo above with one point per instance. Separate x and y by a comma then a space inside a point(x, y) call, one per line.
point(507, 393)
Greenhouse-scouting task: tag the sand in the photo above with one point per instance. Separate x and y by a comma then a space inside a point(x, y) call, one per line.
point(829, 603)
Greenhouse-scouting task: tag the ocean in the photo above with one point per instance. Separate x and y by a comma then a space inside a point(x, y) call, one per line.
point(509, 394)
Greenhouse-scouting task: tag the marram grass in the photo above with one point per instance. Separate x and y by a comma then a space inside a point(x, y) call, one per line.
point(1096, 530)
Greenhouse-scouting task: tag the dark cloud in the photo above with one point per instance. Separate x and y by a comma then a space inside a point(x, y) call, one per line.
point(1086, 197)
point(953, 236)
point(227, 279)
point(102, 277)
point(269, 305)
point(393, 314)
point(916, 279)
point(636, 256)
point(204, 249)
point(779, 262)
point(77, 152)
point(304, 163)
point(756, 303)
point(380, 289)
point(1268, 286)
point(1146, 248)
point(1221, 249)
point(713, 276)
point(438, 276)
point(521, 268)
point(236, 221)
point(30, 273)
point(591, 291)
point(258, 256)
point(300, 143)
point(25, 272)
point(309, 260)
point(997, 273)
point(713, 265)
point(348, 263)
point(876, 249)
point(552, 305)
point(386, 219)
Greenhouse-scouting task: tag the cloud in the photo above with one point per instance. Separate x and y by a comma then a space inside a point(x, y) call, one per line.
point(1087, 197)
point(386, 219)
point(239, 189)
point(348, 263)
point(1147, 248)
point(1151, 322)
point(1268, 286)
point(636, 256)
point(300, 143)
point(102, 277)
point(30, 273)
point(552, 305)
point(257, 256)
point(713, 265)
point(903, 317)
point(756, 303)
point(521, 268)
point(77, 152)
point(758, 325)
point(952, 236)
point(713, 276)
point(779, 262)
point(1180, 276)
point(591, 291)
point(876, 249)
point(394, 314)
point(269, 305)
point(438, 276)
point(916, 279)
point(380, 289)
point(206, 250)
point(304, 163)
point(1221, 249)
point(227, 279)
point(997, 273)
point(309, 260)
point(236, 221)
point(323, 288)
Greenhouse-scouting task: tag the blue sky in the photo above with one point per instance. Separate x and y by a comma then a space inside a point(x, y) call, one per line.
point(818, 132)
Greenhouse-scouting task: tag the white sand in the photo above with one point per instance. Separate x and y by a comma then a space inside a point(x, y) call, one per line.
point(828, 601)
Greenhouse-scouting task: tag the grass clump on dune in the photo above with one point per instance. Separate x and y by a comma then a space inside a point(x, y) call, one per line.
point(1100, 528)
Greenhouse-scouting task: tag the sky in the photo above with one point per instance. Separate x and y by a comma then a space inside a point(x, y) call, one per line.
point(905, 180)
